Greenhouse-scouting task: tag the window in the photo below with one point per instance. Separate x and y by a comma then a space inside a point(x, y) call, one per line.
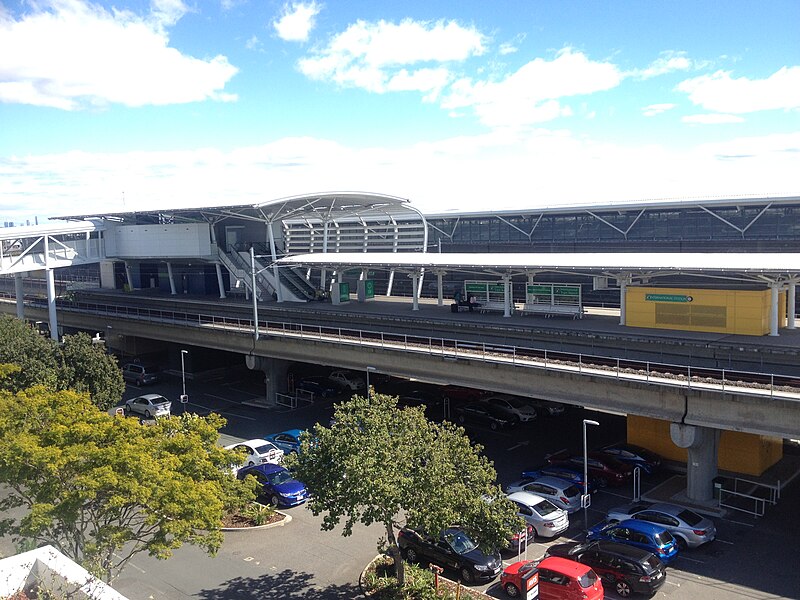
point(553, 577)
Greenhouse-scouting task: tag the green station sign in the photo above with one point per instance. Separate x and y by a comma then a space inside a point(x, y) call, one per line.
point(667, 298)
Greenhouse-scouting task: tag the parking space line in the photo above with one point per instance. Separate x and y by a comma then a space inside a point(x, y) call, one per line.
point(604, 491)
point(246, 393)
point(723, 541)
point(739, 522)
point(684, 557)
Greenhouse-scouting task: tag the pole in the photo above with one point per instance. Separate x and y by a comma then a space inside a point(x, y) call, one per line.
point(255, 300)
point(183, 380)
point(586, 473)
point(369, 391)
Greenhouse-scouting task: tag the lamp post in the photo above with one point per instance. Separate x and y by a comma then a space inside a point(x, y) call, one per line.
point(255, 300)
point(585, 497)
point(369, 393)
point(184, 397)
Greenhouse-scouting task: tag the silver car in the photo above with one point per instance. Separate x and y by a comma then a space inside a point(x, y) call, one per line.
point(562, 493)
point(149, 406)
point(545, 517)
point(689, 529)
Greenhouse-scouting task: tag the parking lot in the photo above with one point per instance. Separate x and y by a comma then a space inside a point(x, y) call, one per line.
point(751, 558)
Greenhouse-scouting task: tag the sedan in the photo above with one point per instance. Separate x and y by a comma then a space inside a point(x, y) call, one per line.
point(276, 484)
point(149, 405)
point(321, 388)
point(635, 456)
point(480, 414)
point(563, 494)
point(288, 441)
point(640, 534)
point(602, 468)
point(512, 409)
point(689, 529)
point(258, 452)
point(562, 472)
point(547, 519)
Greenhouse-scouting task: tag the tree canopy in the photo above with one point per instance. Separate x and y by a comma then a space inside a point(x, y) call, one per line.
point(104, 488)
point(380, 463)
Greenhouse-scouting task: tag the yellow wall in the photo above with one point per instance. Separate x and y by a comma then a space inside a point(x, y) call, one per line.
point(743, 312)
point(743, 453)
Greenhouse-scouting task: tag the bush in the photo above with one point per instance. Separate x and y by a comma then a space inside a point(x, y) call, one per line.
point(380, 583)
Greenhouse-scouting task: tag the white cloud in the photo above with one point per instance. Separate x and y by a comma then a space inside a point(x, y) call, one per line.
point(712, 119)
point(72, 54)
point(668, 62)
point(657, 109)
point(531, 94)
point(371, 55)
point(722, 93)
point(296, 21)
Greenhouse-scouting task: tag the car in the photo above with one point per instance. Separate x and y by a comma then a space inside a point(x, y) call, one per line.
point(625, 569)
point(139, 374)
point(457, 393)
point(636, 456)
point(453, 549)
point(288, 441)
point(547, 408)
point(430, 401)
point(258, 451)
point(347, 380)
point(565, 495)
point(513, 409)
point(149, 406)
point(479, 413)
point(640, 534)
point(547, 519)
point(689, 529)
point(276, 484)
point(559, 579)
point(602, 468)
point(320, 387)
point(562, 472)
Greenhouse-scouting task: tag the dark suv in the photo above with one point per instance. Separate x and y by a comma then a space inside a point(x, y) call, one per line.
point(626, 569)
point(454, 549)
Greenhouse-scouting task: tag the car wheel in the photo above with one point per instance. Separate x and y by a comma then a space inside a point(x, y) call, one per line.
point(493, 426)
point(250, 464)
point(274, 500)
point(601, 482)
point(512, 591)
point(147, 413)
point(411, 555)
point(126, 409)
point(623, 588)
point(682, 545)
point(138, 383)
point(466, 575)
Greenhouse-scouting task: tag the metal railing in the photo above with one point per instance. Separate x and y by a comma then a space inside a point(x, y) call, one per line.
point(752, 505)
point(665, 374)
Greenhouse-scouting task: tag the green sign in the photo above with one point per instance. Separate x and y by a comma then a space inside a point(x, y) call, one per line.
point(563, 290)
point(369, 288)
point(344, 292)
point(539, 289)
point(668, 298)
point(476, 287)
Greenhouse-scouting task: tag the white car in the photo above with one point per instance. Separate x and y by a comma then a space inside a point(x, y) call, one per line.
point(545, 517)
point(258, 452)
point(564, 494)
point(347, 380)
point(149, 406)
point(514, 409)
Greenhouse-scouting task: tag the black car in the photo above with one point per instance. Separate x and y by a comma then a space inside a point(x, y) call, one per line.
point(480, 414)
point(432, 402)
point(454, 549)
point(321, 387)
point(626, 569)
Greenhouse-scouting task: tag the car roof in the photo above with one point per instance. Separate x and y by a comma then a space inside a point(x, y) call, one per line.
point(642, 526)
point(625, 550)
point(266, 468)
point(151, 397)
point(554, 481)
point(255, 442)
point(527, 498)
point(564, 566)
point(293, 432)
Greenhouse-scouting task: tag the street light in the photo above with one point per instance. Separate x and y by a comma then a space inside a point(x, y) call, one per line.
point(184, 397)
point(369, 393)
point(585, 497)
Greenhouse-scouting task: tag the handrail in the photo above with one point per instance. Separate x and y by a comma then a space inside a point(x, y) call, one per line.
point(665, 374)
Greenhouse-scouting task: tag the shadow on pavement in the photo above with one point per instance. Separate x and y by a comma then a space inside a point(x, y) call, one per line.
point(279, 586)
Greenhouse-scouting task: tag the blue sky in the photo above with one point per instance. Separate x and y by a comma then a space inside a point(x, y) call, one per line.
point(454, 105)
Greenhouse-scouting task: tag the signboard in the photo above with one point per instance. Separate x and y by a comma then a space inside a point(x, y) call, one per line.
point(586, 500)
point(369, 288)
point(553, 294)
point(532, 586)
point(483, 287)
point(344, 292)
point(667, 298)
point(184, 398)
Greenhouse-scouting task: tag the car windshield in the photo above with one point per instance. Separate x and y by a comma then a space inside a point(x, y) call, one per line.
point(690, 517)
point(460, 542)
point(264, 449)
point(159, 400)
point(588, 579)
point(516, 403)
point(279, 477)
point(663, 538)
point(572, 491)
point(545, 507)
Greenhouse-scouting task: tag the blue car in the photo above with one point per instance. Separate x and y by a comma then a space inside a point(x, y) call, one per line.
point(641, 534)
point(288, 441)
point(562, 472)
point(276, 484)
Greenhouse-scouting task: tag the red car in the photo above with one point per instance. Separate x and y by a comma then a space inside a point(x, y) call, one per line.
point(559, 579)
point(603, 469)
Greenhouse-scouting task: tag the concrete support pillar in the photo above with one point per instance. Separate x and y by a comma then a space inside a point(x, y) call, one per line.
point(391, 283)
point(275, 375)
point(171, 277)
point(439, 293)
point(623, 289)
point(128, 275)
point(19, 293)
point(220, 282)
point(702, 444)
point(51, 303)
point(363, 275)
point(773, 309)
point(506, 296)
point(791, 290)
point(323, 282)
point(274, 253)
point(415, 291)
point(107, 278)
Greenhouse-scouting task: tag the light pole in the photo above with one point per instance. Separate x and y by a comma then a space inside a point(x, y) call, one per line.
point(253, 285)
point(585, 497)
point(369, 393)
point(184, 397)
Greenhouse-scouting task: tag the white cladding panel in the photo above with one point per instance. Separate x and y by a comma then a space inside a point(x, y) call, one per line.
point(158, 241)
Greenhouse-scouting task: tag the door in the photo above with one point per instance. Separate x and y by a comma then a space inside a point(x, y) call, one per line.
point(233, 237)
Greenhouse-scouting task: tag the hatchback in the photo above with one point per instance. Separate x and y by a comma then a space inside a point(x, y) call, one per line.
point(546, 518)
point(640, 534)
point(563, 494)
point(559, 579)
point(689, 529)
point(288, 441)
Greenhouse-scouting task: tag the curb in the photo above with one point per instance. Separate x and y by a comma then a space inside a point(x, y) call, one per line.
point(363, 571)
point(286, 519)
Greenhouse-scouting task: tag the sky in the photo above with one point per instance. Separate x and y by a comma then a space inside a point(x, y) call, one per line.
point(468, 105)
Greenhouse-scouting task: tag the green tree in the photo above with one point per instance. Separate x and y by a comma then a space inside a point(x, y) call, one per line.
point(378, 463)
point(84, 366)
point(23, 346)
point(104, 489)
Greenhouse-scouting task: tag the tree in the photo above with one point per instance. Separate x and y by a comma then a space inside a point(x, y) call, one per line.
point(84, 366)
point(380, 463)
point(103, 488)
point(22, 345)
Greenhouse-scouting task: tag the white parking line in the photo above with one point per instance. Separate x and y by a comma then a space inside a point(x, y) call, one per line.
point(684, 557)
point(739, 522)
point(723, 541)
point(605, 491)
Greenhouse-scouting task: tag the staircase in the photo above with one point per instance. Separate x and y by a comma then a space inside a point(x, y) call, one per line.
point(294, 287)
